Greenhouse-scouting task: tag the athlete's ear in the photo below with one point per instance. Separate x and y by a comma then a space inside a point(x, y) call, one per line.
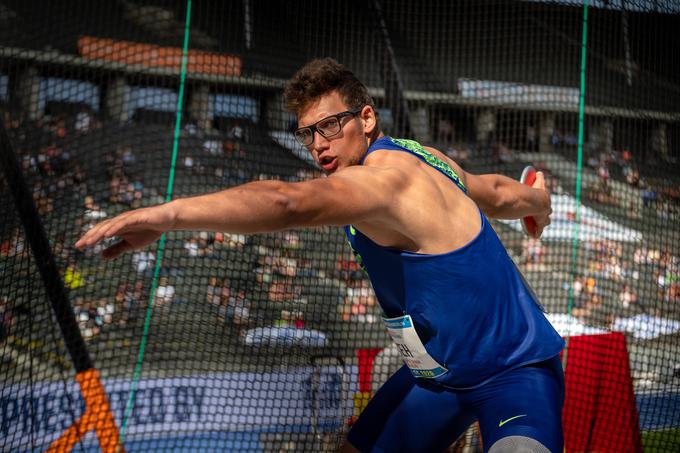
point(369, 119)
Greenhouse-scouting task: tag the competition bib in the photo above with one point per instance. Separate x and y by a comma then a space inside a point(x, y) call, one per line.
point(412, 350)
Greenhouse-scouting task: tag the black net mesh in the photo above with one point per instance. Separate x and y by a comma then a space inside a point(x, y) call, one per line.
point(274, 342)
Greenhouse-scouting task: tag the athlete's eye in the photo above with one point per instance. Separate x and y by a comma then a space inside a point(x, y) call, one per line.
point(330, 126)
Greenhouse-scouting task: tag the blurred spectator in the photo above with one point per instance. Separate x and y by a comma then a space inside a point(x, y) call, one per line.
point(291, 240)
point(126, 155)
point(346, 265)
point(43, 202)
point(306, 269)
point(601, 193)
point(125, 192)
point(668, 277)
point(225, 299)
point(92, 210)
point(627, 298)
point(213, 147)
point(233, 307)
point(7, 318)
point(213, 291)
point(232, 148)
point(585, 308)
point(672, 294)
point(236, 132)
point(14, 245)
point(284, 266)
point(92, 316)
point(128, 299)
point(83, 122)
point(143, 261)
point(632, 176)
point(85, 316)
point(263, 267)
point(238, 309)
point(201, 245)
point(612, 268)
point(78, 179)
point(359, 302)
point(649, 196)
point(532, 252)
point(284, 289)
point(165, 293)
point(603, 173)
point(290, 319)
point(117, 184)
point(105, 311)
point(231, 240)
point(188, 162)
point(191, 127)
point(58, 126)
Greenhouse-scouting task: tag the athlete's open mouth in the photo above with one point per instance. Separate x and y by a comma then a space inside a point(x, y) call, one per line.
point(328, 163)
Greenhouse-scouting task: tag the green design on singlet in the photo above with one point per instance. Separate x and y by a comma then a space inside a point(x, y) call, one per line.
point(431, 159)
point(357, 256)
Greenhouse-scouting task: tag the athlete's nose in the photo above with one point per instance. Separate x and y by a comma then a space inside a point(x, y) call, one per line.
point(320, 143)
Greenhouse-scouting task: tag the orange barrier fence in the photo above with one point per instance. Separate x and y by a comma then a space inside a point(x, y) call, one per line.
point(134, 53)
point(97, 417)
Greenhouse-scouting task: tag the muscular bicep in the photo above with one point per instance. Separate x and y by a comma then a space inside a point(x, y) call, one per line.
point(482, 189)
point(357, 194)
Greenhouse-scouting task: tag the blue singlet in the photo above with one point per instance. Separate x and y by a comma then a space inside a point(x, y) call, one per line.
point(476, 317)
point(472, 309)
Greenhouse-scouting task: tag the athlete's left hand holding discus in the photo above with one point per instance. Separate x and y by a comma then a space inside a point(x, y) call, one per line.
point(453, 300)
point(541, 220)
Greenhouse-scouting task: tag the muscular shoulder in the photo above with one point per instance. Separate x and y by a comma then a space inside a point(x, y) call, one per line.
point(387, 159)
point(405, 161)
point(378, 173)
point(456, 168)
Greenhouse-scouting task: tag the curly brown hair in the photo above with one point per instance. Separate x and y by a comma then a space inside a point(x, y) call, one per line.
point(322, 76)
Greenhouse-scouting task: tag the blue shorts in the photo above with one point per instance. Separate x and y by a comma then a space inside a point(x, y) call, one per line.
point(409, 415)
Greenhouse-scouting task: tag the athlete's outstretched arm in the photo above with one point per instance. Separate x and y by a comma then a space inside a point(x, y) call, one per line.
point(351, 195)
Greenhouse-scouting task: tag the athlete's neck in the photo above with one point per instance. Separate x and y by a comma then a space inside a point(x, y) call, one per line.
point(374, 136)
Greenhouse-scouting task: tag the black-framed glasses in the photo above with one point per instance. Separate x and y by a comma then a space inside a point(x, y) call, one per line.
point(327, 127)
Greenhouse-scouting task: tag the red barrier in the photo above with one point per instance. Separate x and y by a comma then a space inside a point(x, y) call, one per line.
point(600, 414)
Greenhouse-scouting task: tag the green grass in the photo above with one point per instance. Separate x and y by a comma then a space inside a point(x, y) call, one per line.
point(661, 441)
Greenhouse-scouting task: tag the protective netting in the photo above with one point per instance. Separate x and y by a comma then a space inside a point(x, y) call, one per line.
point(274, 342)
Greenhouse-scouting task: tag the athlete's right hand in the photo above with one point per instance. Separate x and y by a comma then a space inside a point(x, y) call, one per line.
point(136, 229)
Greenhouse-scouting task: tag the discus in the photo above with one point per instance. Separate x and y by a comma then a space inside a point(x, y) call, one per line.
point(529, 223)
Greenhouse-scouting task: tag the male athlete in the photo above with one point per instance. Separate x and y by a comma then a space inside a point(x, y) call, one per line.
point(475, 342)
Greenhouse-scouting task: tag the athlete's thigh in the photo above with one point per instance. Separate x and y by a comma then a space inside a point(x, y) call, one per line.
point(406, 417)
point(521, 411)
